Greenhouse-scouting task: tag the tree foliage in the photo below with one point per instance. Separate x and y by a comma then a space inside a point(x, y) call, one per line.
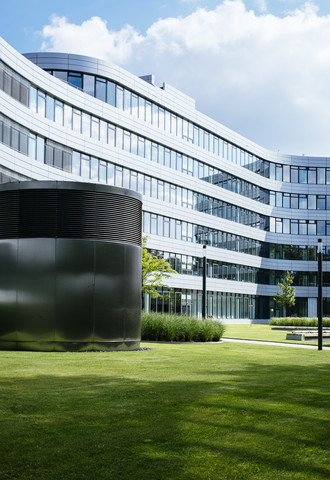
point(154, 271)
point(287, 297)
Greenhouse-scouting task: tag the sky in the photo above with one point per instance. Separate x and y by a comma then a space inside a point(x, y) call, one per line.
point(260, 67)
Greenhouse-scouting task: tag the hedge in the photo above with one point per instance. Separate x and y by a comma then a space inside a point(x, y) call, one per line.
point(177, 328)
point(298, 321)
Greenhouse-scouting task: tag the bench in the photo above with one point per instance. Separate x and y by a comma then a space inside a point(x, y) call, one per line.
point(305, 335)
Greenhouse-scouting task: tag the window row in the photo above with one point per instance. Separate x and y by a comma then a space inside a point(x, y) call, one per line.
point(300, 227)
point(13, 135)
point(14, 85)
point(139, 107)
point(189, 302)
point(92, 168)
point(189, 265)
point(301, 201)
point(82, 122)
point(177, 229)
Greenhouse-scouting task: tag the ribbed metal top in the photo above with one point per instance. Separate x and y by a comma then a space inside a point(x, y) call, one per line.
point(70, 210)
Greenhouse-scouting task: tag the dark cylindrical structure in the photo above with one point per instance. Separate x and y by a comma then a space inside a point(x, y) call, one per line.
point(204, 283)
point(70, 276)
point(319, 293)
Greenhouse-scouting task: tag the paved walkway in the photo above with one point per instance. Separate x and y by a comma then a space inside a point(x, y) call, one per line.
point(276, 344)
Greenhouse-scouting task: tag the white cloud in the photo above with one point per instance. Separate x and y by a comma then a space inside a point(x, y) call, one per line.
point(261, 5)
point(264, 76)
point(92, 37)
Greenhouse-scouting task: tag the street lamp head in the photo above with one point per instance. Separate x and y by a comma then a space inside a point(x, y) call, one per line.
point(204, 247)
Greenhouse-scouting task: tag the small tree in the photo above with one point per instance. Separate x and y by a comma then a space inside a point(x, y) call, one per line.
point(154, 272)
point(287, 297)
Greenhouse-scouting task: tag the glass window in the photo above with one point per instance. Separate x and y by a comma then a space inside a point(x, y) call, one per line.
point(135, 105)
point(302, 175)
point(59, 112)
point(321, 175)
point(312, 175)
point(89, 81)
point(100, 88)
point(76, 120)
point(328, 176)
point(294, 227)
point(41, 105)
point(32, 146)
point(127, 142)
point(278, 199)
point(50, 108)
point(94, 169)
point(67, 116)
point(148, 112)
point(278, 225)
point(85, 166)
point(103, 171)
point(302, 227)
point(119, 97)
point(23, 143)
point(40, 149)
point(111, 93)
point(141, 143)
point(294, 174)
point(286, 173)
point(86, 124)
point(118, 176)
point(294, 200)
point(286, 200)
point(127, 101)
point(303, 201)
point(33, 99)
point(161, 118)
point(279, 173)
point(75, 79)
point(111, 174)
point(67, 161)
point(320, 227)
point(311, 227)
point(142, 108)
point(286, 225)
point(320, 202)
point(134, 146)
point(111, 135)
point(95, 131)
point(61, 75)
point(311, 202)
point(76, 163)
point(14, 143)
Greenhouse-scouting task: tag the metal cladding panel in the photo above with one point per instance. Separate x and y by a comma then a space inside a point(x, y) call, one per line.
point(35, 290)
point(74, 290)
point(8, 291)
point(71, 267)
point(117, 277)
point(133, 269)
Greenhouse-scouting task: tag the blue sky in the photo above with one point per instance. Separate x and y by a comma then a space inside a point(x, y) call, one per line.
point(260, 67)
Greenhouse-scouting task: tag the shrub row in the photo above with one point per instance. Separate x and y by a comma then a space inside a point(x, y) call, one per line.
point(177, 328)
point(298, 321)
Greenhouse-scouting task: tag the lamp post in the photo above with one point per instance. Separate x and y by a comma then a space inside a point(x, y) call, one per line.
point(319, 292)
point(204, 283)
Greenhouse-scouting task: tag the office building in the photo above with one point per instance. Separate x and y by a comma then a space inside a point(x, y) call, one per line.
point(260, 213)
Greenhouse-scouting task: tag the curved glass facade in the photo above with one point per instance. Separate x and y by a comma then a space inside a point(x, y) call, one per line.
point(69, 117)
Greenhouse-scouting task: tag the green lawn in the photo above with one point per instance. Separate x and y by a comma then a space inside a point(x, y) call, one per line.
point(188, 411)
point(264, 332)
